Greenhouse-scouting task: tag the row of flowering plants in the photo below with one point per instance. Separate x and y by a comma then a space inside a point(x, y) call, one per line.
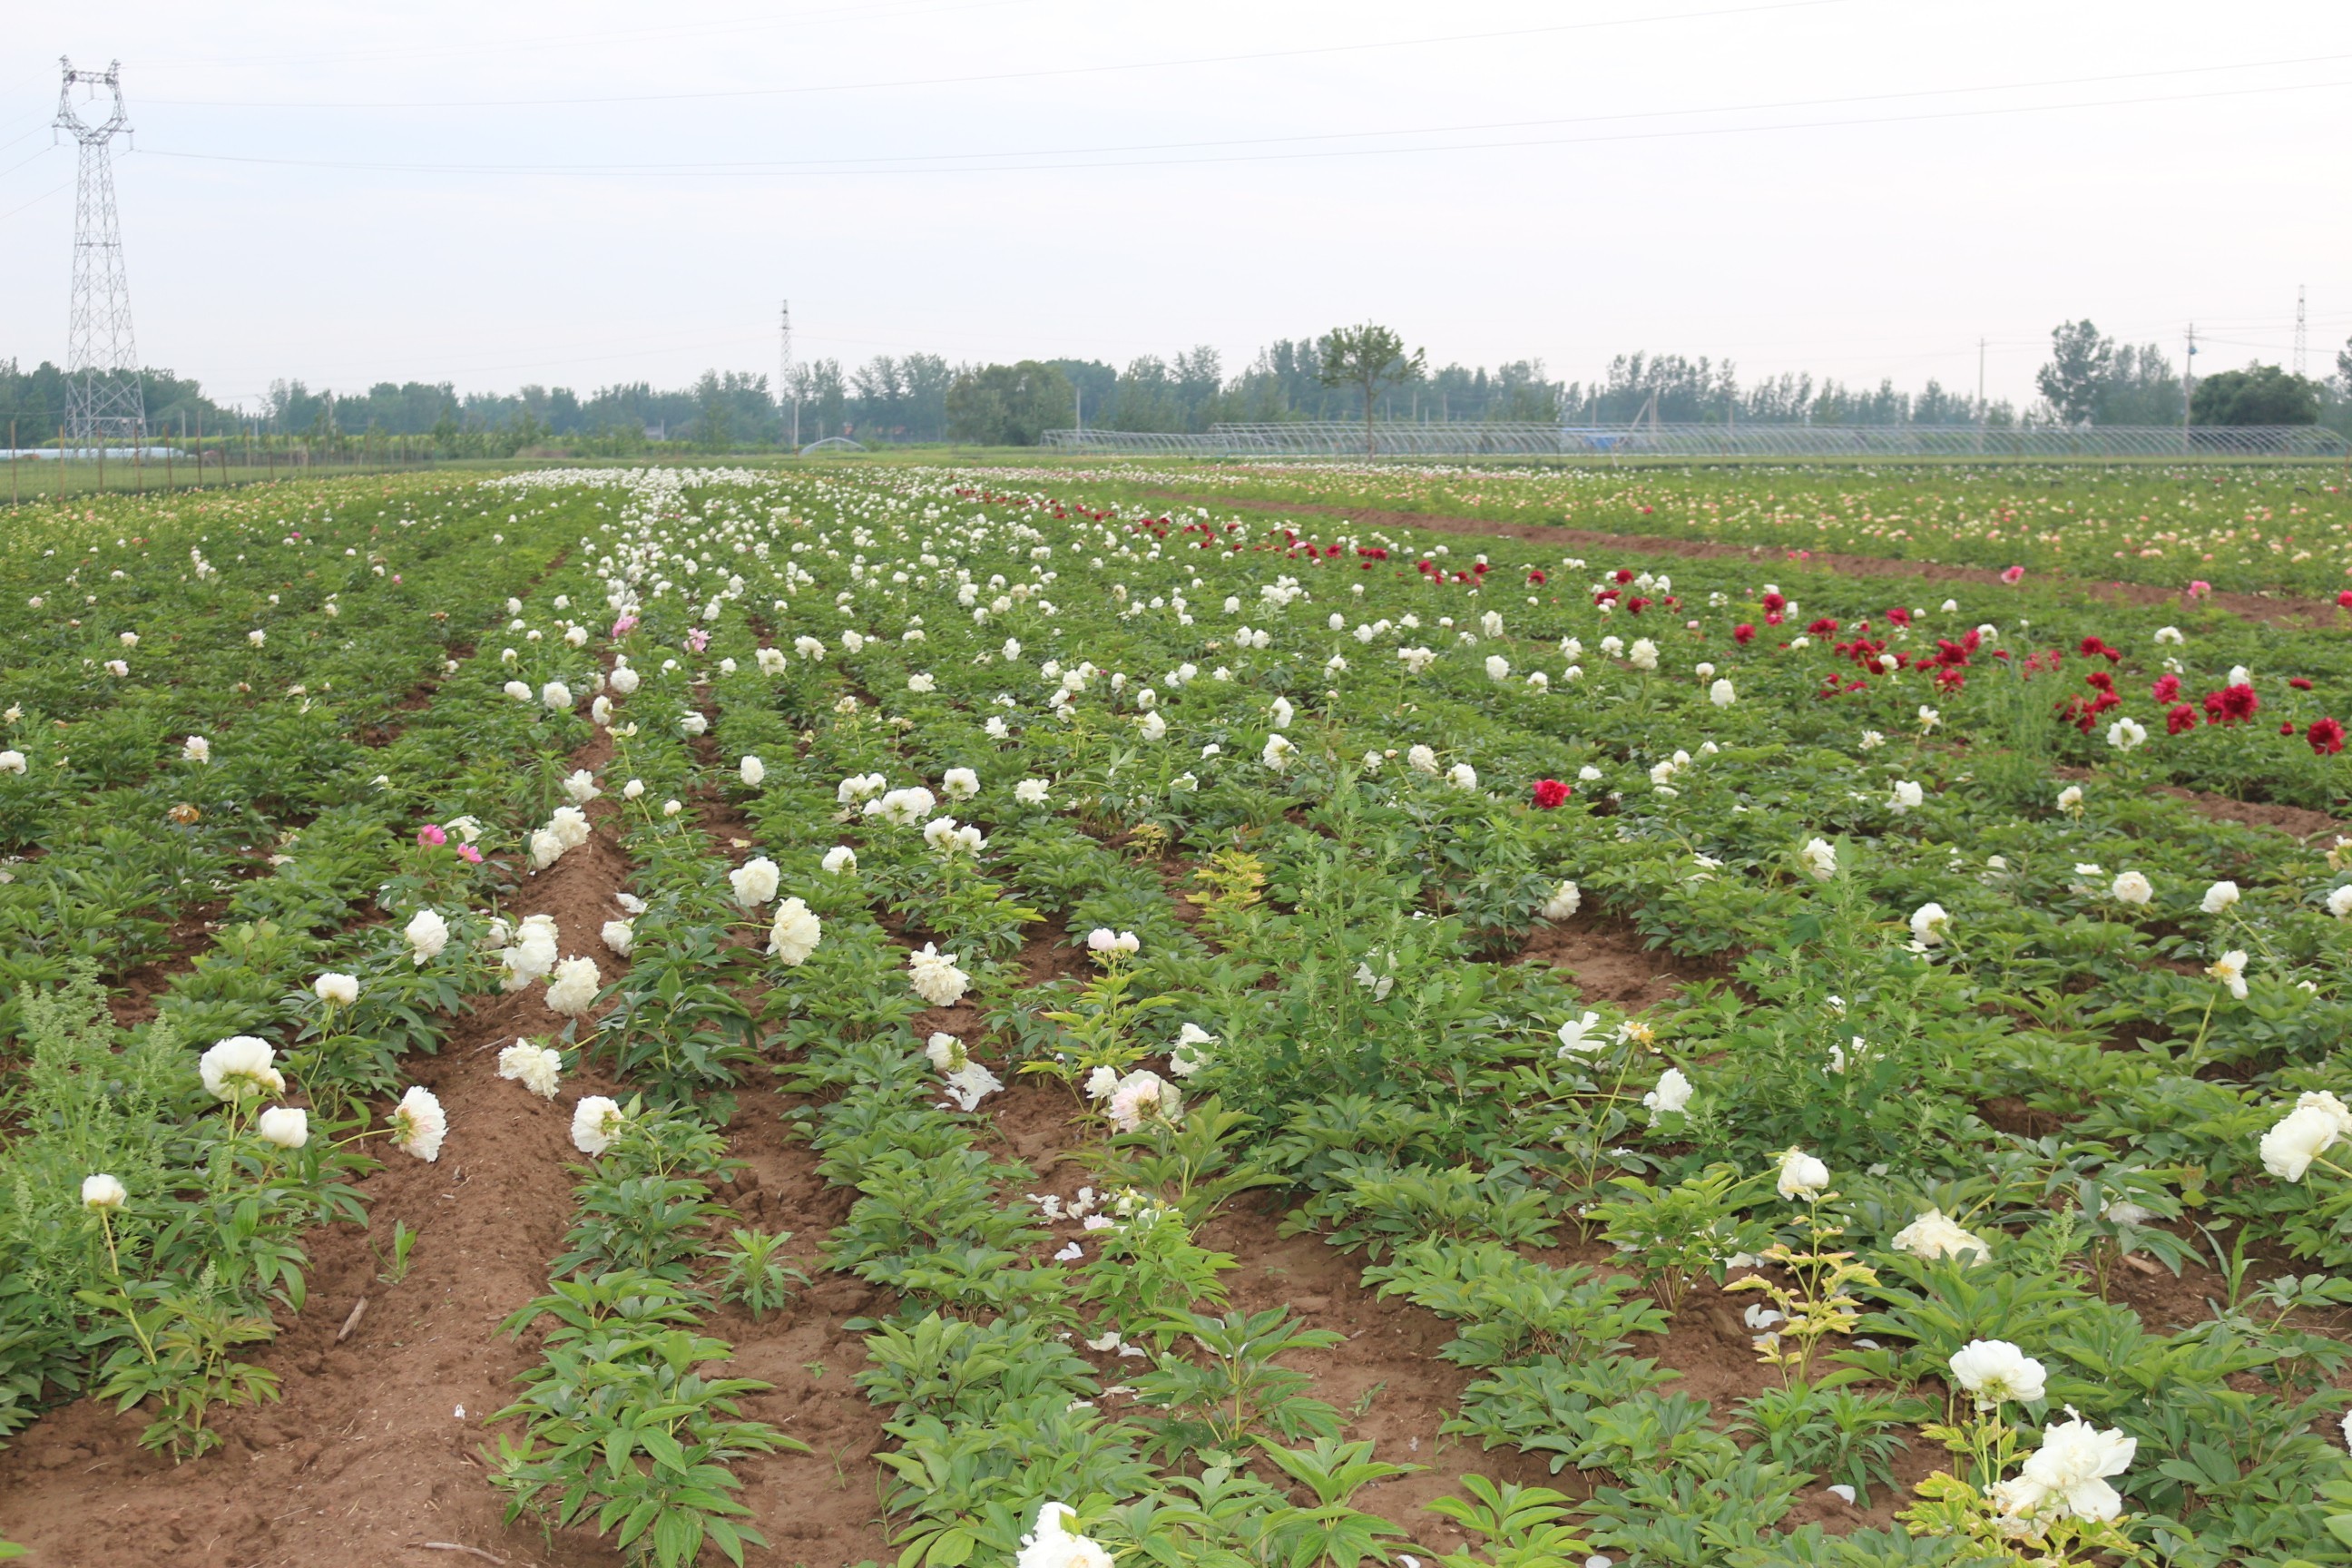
point(267, 799)
point(2244, 527)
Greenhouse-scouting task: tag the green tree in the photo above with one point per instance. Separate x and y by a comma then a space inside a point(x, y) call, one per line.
point(1368, 358)
point(2081, 360)
point(1008, 404)
point(2258, 394)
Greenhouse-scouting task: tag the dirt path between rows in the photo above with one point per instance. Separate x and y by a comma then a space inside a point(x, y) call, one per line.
point(2268, 608)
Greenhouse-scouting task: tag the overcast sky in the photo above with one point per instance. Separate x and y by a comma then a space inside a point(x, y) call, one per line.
point(589, 193)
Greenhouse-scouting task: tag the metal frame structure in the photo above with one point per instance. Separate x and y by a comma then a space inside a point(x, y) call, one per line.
point(1339, 439)
point(832, 444)
point(104, 399)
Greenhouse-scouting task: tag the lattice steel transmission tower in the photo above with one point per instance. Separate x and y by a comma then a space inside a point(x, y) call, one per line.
point(103, 398)
point(2299, 338)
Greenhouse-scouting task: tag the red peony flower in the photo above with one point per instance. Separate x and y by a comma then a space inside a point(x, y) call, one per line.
point(1550, 792)
point(2165, 688)
point(2180, 719)
point(2344, 600)
point(2239, 704)
point(2326, 735)
point(1743, 633)
point(2298, 682)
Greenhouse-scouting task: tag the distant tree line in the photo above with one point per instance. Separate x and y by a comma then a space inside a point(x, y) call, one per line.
point(919, 398)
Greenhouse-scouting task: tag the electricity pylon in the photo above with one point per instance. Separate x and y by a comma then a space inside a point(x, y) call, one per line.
point(103, 398)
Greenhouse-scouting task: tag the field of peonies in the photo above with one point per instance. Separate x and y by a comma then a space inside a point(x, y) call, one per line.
point(935, 1017)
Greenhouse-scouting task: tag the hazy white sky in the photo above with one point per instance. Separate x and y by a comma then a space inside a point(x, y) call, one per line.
point(588, 193)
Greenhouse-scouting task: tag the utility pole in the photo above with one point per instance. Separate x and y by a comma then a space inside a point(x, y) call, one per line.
point(103, 397)
point(2188, 386)
point(2298, 329)
point(1981, 420)
point(784, 386)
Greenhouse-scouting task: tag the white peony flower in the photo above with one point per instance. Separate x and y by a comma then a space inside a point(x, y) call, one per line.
point(1801, 1175)
point(287, 1126)
point(840, 860)
point(2131, 887)
point(11, 760)
point(1908, 796)
point(692, 724)
point(2068, 1473)
point(240, 1068)
point(580, 785)
point(1054, 1543)
point(2230, 968)
point(960, 784)
point(1142, 1095)
point(196, 749)
point(537, 1068)
point(573, 989)
point(2299, 1138)
point(1643, 654)
point(556, 697)
point(1930, 924)
point(2219, 897)
point(752, 771)
point(1722, 693)
point(1995, 1372)
point(1820, 857)
point(569, 826)
point(418, 1124)
point(1576, 1036)
point(754, 882)
point(935, 977)
point(1278, 752)
point(596, 1120)
point(1934, 1235)
point(1672, 1093)
point(620, 936)
point(1031, 792)
point(795, 933)
point(337, 990)
point(1462, 776)
point(104, 1191)
point(1565, 900)
point(517, 690)
point(2126, 733)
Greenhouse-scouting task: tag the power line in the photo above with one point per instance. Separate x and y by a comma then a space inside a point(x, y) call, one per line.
point(1033, 75)
point(769, 169)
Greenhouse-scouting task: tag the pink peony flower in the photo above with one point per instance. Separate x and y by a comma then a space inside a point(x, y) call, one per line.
point(625, 625)
point(698, 639)
point(431, 837)
point(2198, 588)
point(469, 855)
point(2014, 576)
